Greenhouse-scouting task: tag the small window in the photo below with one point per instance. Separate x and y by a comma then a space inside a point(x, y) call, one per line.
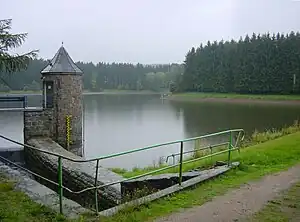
point(48, 94)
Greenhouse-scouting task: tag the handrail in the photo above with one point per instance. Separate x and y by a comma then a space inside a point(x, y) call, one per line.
point(231, 147)
point(14, 99)
point(121, 153)
point(167, 143)
point(196, 149)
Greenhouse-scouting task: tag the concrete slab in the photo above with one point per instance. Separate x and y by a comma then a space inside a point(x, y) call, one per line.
point(206, 175)
point(40, 193)
point(76, 176)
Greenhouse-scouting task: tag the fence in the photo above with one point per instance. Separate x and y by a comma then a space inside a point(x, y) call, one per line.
point(22, 99)
point(231, 147)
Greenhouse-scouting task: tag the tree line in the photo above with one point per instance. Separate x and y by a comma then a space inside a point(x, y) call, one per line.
point(259, 64)
point(98, 77)
point(22, 72)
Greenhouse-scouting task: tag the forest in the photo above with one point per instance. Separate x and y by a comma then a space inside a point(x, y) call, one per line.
point(98, 77)
point(260, 64)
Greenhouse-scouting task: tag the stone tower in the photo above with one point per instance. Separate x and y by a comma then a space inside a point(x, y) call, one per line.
point(62, 96)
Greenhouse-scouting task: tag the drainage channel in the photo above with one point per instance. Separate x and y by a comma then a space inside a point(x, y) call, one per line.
point(14, 158)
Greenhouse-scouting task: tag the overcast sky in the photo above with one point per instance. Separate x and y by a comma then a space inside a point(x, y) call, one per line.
point(145, 31)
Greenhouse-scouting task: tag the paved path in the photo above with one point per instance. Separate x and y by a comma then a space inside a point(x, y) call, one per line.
point(240, 203)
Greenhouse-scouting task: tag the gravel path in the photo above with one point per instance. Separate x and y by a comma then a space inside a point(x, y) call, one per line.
point(240, 203)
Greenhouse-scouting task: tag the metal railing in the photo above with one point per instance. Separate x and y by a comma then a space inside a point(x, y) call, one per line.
point(195, 150)
point(22, 99)
point(231, 147)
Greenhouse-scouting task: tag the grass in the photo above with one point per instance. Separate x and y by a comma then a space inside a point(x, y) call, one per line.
point(256, 161)
point(271, 134)
point(16, 206)
point(234, 96)
point(284, 209)
point(255, 138)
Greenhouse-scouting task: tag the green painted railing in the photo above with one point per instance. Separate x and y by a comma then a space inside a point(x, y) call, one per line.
point(231, 147)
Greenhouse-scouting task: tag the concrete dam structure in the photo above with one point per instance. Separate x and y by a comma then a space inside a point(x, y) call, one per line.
point(76, 176)
point(56, 173)
point(57, 127)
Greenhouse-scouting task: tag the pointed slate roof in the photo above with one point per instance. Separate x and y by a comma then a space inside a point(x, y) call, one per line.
point(61, 63)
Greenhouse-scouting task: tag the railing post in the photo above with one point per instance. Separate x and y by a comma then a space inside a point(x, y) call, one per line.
point(229, 147)
point(210, 153)
point(173, 156)
point(96, 190)
point(60, 184)
point(25, 102)
point(237, 140)
point(180, 163)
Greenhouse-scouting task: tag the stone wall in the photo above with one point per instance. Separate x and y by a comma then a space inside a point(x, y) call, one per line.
point(153, 183)
point(67, 100)
point(76, 176)
point(39, 193)
point(38, 123)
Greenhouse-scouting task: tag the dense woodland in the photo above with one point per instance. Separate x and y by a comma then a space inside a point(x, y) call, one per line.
point(257, 64)
point(100, 76)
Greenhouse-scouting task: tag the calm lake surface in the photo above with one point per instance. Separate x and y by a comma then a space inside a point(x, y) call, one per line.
point(116, 123)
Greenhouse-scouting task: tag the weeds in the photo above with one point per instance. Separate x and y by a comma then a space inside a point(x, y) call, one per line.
point(255, 138)
point(132, 194)
point(16, 206)
point(286, 207)
point(261, 137)
point(256, 161)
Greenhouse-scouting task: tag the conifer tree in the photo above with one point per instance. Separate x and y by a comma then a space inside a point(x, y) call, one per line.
point(10, 62)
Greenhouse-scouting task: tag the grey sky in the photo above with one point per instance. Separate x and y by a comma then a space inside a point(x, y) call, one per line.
point(145, 31)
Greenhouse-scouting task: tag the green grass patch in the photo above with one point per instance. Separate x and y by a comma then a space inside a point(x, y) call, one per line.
point(261, 137)
point(16, 206)
point(256, 161)
point(234, 96)
point(255, 138)
point(284, 209)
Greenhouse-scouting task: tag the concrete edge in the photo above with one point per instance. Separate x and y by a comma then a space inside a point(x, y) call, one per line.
point(206, 175)
point(40, 193)
point(165, 175)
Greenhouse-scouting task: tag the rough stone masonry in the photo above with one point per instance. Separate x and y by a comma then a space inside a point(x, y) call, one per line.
point(47, 129)
point(67, 100)
point(62, 97)
point(76, 175)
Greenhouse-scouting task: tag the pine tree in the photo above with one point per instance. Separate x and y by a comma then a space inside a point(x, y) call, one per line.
point(257, 64)
point(8, 61)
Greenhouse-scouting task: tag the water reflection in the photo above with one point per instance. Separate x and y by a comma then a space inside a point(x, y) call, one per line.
point(116, 123)
point(203, 118)
point(124, 122)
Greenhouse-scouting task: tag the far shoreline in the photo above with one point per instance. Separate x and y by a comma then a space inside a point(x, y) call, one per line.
point(236, 98)
point(105, 92)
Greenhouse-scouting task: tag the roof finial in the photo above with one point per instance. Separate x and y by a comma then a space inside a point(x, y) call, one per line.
point(62, 43)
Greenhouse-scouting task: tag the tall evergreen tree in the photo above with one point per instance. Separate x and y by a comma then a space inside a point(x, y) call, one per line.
point(257, 64)
point(8, 61)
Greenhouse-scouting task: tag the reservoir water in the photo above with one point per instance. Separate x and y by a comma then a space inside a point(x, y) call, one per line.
point(120, 122)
